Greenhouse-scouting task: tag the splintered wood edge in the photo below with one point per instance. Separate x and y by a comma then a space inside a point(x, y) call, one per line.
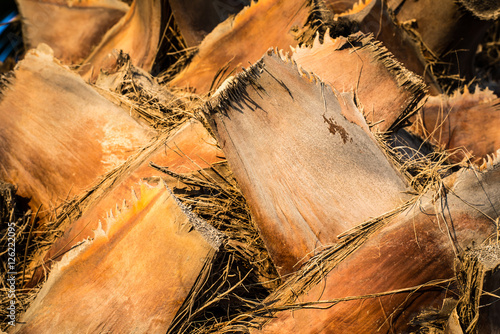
point(233, 88)
point(405, 79)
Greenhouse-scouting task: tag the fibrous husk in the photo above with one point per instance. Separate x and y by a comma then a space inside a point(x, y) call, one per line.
point(71, 28)
point(137, 34)
point(58, 134)
point(373, 16)
point(483, 9)
point(362, 65)
point(465, 123)
point(133, 276)
point(133, 88)
point(391, 268)
point(448, 34)
point(198, 18)
point(304, 157)
point(246, 37)
point(184, 150)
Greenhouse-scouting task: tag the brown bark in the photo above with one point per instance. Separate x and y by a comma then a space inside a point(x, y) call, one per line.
point(417, 247)
point(465, 124)
point(72, 31)
point(292, 145)
point(58, 134)
point(361, 65)
point(137, 34)
point(241, 41)
point(134, 276)
point(197, 18)
point(188, 149)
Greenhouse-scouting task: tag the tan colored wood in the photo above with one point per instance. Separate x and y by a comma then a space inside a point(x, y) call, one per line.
point(71, 28)
point(416, 248)
point(58, 134)
point(361, 65)
point(190, 148)
point(375, 18)
point(132, 277)
point(464, 123)
point(304, 157)
point(242, 40)
point(197, 18)
point(137, 34)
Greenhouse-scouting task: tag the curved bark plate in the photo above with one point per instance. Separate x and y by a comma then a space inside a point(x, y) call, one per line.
point(189, 149)
point(464, 123)
point(71, 28)
point(414, 249)
point(137, 34)
point(447, 31)
point(304, 157)
point(362, 65)
point(58, 134)
point(197, 18)
point(133, 277)
point(374, 17)
point(245, 37)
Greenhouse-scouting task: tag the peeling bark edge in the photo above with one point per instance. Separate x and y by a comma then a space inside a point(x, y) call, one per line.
point(405, 78)
point(233, 89)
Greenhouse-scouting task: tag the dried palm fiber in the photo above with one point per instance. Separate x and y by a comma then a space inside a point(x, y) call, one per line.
point(137, 34)
point(464, 123)
point(303, 156)
point(136, 89)
point(485, 9)
point(362, 65)
point(242, 275)
point(476, 308)
point(449, 34)
point(71, 28)
point(183, 150)
point(58, 134)
point(373, 16)
point(246, 36)
point(133, 276)
point(382, 274)
point(198, 18)
point(13, 210)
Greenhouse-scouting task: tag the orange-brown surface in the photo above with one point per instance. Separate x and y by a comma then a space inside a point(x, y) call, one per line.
point(416, 248)
point(133, 277)
point(72, 31)
point(197, 18)
point(189, 149)
point(304, 157)
point(58, 134)
point(361, 65)
point(464, 123)
point(242, 40)
point(137, 34)
point(376, 19)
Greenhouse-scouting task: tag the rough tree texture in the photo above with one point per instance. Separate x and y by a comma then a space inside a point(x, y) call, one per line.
point(246, 37)
point(72, 31)
point(463, 122)
point(58, 134)
point(418, 246)
point(483, 9)
point(362, 65)
point(132, 277)
point(447, 31)
point(376, 19)
point(137, 34)
point(197, 18)
point(190, 148)
point(292, 145)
